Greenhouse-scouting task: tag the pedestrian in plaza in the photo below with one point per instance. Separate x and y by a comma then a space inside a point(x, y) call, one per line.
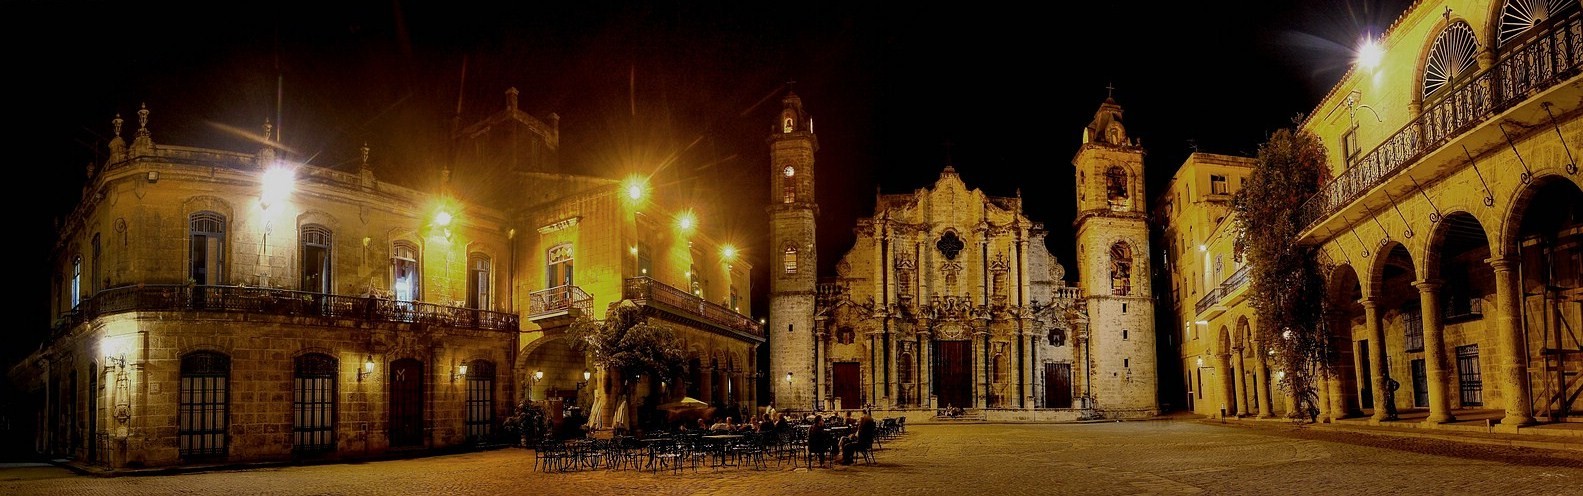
point(862, 439)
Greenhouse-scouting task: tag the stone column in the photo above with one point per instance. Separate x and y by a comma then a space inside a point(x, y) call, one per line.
point(820, 354)
point(1434, 352)
point(1223, 376)
point(926, 369)
point(980, 386)
point(706, 389)
point(1376, 329)
point(1508, 332)
point(1261, 370)
point(1241, 405)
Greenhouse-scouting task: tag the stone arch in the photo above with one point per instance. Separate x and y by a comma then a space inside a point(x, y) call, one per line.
point(1223, 341)
point(1511, 223)
point(1383, 262)
point(1343, 290)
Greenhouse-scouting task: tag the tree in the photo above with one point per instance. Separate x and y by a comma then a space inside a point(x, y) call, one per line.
point(1285, 279)
point(625, 346)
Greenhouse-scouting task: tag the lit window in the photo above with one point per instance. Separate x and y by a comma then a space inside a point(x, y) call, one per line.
point(478, 281)
point(790, 260)
point(315, 258)
point(207, 247)
point(1218, 186)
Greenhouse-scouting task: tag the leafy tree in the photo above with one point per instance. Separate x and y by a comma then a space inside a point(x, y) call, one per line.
point(627, 345)
point(1286, 287)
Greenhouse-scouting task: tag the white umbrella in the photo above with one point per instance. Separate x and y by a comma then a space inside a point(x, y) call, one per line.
point(620, 421)
point(595, 414)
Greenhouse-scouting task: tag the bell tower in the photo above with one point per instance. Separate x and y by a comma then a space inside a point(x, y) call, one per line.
point(1113, 258)
point(794, 263)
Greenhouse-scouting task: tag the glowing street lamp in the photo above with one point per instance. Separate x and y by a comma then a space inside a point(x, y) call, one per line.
point(278, 181)
point(1370, 53)
point(442, 218)
point(634, 187)
point(728, 253)
point(686, 221)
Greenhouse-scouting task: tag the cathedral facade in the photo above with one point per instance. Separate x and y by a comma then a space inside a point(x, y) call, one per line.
point(950, 298)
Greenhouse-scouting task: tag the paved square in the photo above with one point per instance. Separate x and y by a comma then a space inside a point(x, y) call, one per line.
point(1155, 457)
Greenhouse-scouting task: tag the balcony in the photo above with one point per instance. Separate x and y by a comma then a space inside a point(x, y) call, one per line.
point(1505, 90)
point(239, 299)
point(548, 307)
point(1222, 297)
point(652, 294)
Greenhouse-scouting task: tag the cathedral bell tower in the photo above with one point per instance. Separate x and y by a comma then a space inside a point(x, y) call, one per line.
point(1113, 258)
point(792, 211)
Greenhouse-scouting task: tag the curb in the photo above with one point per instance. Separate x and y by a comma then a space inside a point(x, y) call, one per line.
point(1464, 438)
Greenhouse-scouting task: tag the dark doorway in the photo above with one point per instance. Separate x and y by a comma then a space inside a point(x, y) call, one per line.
point(1057, 385)
point(1365, 379)
point(1420, 384)
point(848, 384)
point(406, 402)
point(954, 374)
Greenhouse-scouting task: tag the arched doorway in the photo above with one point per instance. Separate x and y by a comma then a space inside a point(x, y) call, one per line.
point(1549, 246)
point(1342, 313)
point(1388, 352)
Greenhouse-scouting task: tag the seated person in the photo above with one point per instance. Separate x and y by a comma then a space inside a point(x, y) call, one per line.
point(862, 439)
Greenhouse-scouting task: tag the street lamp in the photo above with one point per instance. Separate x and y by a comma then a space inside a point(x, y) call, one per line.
point(368, 368)
point(1370, 53)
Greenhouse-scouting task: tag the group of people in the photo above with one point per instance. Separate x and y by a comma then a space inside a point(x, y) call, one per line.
point(757, 424)
point(862, 437)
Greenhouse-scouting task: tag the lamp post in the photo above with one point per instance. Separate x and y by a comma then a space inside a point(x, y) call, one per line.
point(538, 375)
point(580, 384)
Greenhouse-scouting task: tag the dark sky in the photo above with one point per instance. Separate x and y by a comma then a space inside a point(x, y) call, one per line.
point(1005, 89)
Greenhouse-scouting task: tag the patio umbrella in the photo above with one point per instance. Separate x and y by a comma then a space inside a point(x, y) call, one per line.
point(620, 420)
point(595, 412)
point(686, 409)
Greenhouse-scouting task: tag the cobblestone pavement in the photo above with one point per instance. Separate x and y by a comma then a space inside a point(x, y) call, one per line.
point(1155, 457)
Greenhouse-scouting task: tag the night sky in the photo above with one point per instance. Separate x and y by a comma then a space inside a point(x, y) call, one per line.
point(689, 89)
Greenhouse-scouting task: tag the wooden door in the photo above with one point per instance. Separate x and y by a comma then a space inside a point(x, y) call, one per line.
point(954, 374)
point(406, 402)
point(848, 384)
point(1057, 385)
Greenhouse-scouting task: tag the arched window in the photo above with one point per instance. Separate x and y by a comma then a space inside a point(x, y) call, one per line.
point(313, 403)
point(202, 418)
point(1120, 269)
point(789, 260)
point(1519, 17)
point(478, 281)
point(480, 400)
point(1116, 187)
point(405, 271)
point(76, 281)
point(315, 241)
point(207, 247)
point(1452, 55)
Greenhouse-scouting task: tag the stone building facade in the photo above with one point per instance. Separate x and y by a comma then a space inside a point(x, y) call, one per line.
point(1224, 367)
point(214, 306)
point(950, 298)
point(1450, 231)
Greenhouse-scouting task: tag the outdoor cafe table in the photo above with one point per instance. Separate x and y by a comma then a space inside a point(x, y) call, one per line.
point(719, 444)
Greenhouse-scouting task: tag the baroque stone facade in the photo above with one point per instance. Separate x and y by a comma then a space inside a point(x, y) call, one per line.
point(950, 298)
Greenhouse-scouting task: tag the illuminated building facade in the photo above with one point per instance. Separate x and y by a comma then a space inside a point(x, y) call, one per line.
point(215, 306)
point(1224, 370)
point(950, 298)
point(1450, 233)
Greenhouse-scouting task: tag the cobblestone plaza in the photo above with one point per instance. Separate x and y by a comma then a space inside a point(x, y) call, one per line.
point(1155, 457)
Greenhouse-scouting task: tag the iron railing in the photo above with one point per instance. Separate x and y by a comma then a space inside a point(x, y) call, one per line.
point(559, 299)
point(1547, 59)
point(240, 299)
point(1214, 296)
point(647, 291)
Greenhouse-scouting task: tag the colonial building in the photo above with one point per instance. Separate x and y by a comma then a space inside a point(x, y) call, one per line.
point(1450, 232)
point(950, 298)
point(1224, 370)
point(221, 306)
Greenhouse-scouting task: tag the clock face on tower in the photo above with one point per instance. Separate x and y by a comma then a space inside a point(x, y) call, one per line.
point(789, 171)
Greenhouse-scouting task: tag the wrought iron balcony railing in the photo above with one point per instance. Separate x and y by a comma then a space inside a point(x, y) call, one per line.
point(182, 298)
point(559, 300)
point(647, 291)
point(1214, 296)
point(1547, 59)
